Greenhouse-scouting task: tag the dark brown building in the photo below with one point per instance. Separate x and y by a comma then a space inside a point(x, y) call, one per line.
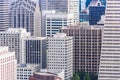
point(87, 47)
point(44, 76)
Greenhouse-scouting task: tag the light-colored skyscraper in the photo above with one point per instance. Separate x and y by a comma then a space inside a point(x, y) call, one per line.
point(110, 57)
point(8, 64)
point(73, 8)
point(60, 54)
point(34, 50)
point(25, 14)
point(12, 38)
point(43, 21)
point(4, 15)
point(54, 22)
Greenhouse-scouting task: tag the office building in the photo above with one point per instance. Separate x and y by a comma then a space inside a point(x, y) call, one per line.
point(110, 57)
point(23, 15)
point(87, 47)
point(4, 15)
point(13, 38)
point(43, 23)
point(60, 54)
point(73, 8)
point(34, 50)
point(96, 10)
point(24, 71)
point(54, 22)
point(57, 5)
point(8, 64)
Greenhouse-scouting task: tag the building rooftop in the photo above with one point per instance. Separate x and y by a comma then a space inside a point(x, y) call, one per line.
point(3, 49)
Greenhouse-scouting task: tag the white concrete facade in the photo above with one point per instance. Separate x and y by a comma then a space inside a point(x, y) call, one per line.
point(25, 70)
point(110, 57)
point(8, 64)
point(13, 39)
point(60, 54)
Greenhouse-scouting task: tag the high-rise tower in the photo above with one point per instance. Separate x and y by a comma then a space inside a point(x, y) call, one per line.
point(110, 57)
point(4, 17)
point(23, 15)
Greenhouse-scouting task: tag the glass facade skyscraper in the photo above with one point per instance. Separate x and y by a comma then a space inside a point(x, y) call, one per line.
point(4, 15)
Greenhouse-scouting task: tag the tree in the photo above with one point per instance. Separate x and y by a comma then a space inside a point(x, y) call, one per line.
point(87, 76)
point(76, 77)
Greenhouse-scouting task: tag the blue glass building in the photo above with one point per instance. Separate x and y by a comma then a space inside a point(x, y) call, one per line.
point(95, 12)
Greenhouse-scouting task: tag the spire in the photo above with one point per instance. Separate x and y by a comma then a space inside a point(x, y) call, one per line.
point(37, 19)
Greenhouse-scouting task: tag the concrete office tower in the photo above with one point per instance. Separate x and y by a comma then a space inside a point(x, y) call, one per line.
point(60, 54)
point(96, 10)
point(34, 50)
point(24, 71)
point(73, 8)
point(54, 22)
point(23, 15)
point(87, 47)
point(110, 57)
point(4, 15)
point(43, 21)
point(12, 38)
point(8, 64)
point(57, 5)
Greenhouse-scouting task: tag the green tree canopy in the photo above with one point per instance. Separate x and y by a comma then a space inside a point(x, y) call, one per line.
point(76, 77)
point(87, 76)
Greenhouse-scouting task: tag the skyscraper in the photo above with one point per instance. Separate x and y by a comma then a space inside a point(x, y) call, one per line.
point(34, 50)
point(73, 8)
point(110, 57)
point(23, 15)
point(54, 22)
point(86, 47)
point(96, 10)
point(60, 54)
point(8, 64)
point(12, 38)
point(4, 15)
point(57, 5)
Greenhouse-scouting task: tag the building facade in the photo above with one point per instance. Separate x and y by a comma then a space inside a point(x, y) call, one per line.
point(60, 54)
point(24, 71)
point(34, 50)
point(57, 5)
point(73, 8)
point(13, 39)
point(87, 47)
point(8, 64)
point(96, 10)
point(110, 57)
point(4, 15)
point(54, 22)
point(23, 15)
